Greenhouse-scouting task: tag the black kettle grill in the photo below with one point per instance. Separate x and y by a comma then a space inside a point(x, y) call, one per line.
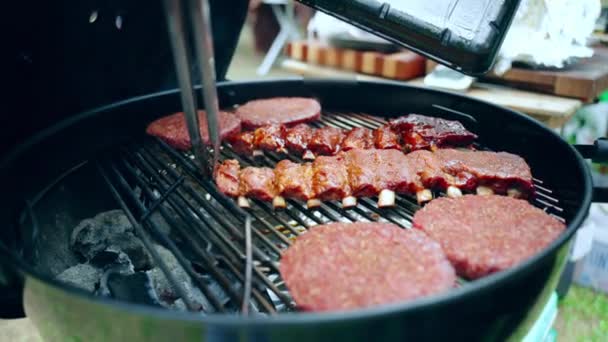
point(101, 160)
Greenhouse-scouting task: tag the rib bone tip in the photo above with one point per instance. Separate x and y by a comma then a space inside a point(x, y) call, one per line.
point(515, 193)
point(424, 196)
point(308, 155)
point(243, 202)
point(349, 202)
point(258, 153)
point(454, 192)
point(386, 198)
point(484, 190)
point(313, 203)
point(279, 202)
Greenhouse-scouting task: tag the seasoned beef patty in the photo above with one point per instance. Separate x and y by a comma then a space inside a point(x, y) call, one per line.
point(278, 110)
point(486, 234)
point(172, 129)
point(343, 266)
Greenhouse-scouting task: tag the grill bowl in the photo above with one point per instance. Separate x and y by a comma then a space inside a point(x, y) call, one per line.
point(488, 308)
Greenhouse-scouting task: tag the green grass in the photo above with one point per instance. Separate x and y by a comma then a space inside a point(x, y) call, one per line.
point(583, 316)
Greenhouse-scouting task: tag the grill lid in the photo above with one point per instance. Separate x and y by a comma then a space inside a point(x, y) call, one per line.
point(465, 35)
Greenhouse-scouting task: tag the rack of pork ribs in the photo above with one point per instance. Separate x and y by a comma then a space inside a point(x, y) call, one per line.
point(358, 173)
point(407, 133)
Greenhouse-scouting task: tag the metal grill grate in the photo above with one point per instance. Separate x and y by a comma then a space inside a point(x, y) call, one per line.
point(208, 238)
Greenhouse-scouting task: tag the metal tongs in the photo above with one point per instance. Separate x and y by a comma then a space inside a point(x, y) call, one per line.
point(206, 156)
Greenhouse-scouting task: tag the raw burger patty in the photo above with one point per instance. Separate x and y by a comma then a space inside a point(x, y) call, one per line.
point(172, 129)
point(486, 234)
point(278, 110)
point(343, 266)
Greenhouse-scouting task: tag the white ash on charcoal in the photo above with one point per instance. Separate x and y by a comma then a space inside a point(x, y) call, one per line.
point(113, 261)
point(89, 276)
point(134, 248)
point(113, 258)
point(109, 229)
point(83, 276)
point(90, 235)
point(135, 287)
point(116, 264)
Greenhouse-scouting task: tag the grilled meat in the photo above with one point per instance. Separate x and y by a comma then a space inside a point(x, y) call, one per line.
point(371, 171)
point(257, 182)
point(278, 110)
point(269, 138)
point(396, 173)
point(227, 177)
point(386, 138)
point(359, 137)
point(294, 180)
point(172, 129)
point(423, 132)
point(498, 171)
point(345, 266)
point(486, 234)
point(242, 143)
point(330, 180)
point(297, 138)
point(365, 173)
point(326, 141)
point(429, 170)
point(407, 133)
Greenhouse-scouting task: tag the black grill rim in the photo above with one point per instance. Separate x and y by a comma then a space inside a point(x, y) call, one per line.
point(452, 297)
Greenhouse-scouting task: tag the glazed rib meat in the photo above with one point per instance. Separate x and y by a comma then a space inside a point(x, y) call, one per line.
point(227, 177)
point(396, 173)
point(326, 140)
point(429, 170)
point(294, 180)
point(423, 132)
point(242, 143)
point(362, 171)
point(370, 173)
point(499, 171)
point(297, 138)
point(269, 138)
point(366, 173)
point(386, 138)
point(330, 180)
point(407, 133)
point(359, 137)
point(257, 182)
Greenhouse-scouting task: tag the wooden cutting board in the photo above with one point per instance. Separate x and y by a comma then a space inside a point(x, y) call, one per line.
point(403, 65)
point(551, 110)
point(584, 80)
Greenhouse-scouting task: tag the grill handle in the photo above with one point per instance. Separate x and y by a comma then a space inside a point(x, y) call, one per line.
point(12, 280)
point(598, 153)
point(11, 293)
